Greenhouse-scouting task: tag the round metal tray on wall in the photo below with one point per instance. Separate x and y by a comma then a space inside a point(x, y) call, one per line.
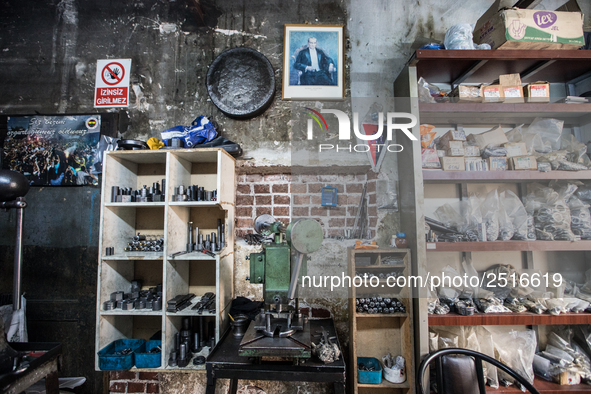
point(241, 83)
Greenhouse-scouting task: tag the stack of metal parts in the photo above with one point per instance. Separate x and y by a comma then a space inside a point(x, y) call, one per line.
point(255, 239)
point(553, 222)
point(213, 242)
point(381, 275)
point(127, 194)
point(190, 341)
point(140, 243)
point(194, 193)
point(446, 233)
point(374, 305)
point(180, 302)
point(205, 304)
point(580, 221)
point(137, 299)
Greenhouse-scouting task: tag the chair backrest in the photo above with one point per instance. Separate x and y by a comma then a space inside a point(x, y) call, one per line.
point(458, 375)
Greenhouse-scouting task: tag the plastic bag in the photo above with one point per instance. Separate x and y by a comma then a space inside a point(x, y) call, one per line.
point(493, 151)
point(552, 218)
point(515, 210)
point(549, 132)
point(506, 230)
point(200, 131)
point(427, 136)
point(490, 215)
point(584, 193)
point(471, 213)
point(450, 217)
point(516, 349)
point(427, 91)
point(387, 195)
point(577, 151)
point(460, 37)
point(580, 218)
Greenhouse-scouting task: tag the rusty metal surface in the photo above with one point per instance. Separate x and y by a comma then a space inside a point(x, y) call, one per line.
point(44, 366)
point(256, 344)
point(241, 82)
point(224, 357)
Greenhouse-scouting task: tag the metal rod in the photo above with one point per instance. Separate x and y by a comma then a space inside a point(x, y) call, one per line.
point(293, 284)
point(18, 254)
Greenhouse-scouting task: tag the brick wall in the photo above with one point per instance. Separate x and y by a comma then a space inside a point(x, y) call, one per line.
point(133, 382)
point(288, 196)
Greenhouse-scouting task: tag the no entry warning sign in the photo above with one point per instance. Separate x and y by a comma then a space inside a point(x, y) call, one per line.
point(112, 83)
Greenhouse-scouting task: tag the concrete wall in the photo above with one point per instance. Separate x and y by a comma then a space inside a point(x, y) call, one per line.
point(48, 53)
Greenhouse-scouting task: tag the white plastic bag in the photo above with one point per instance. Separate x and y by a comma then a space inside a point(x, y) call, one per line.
point(460, 37)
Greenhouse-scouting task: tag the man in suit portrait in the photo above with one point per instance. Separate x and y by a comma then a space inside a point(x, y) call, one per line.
point(316, 66)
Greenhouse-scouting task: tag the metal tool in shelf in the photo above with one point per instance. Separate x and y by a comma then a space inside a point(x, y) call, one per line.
point(127, 194)
point(280, 329)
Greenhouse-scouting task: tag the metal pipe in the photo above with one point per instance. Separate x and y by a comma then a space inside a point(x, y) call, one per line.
point(18, 254)
point(293, 283)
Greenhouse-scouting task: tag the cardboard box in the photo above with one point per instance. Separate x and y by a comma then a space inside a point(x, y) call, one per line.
point(466, 94)
point(493, 137)
point(512, 88)
point(452, 135)
point(429, 158)
point(523, 163)
point(492, 93)
point(452, 145)
point(538, 92)
point(452, 163)
point(569, 378)
point(515, 149)
point(472, 151)
point(455, 152)
point(529, 29)
point(440, 153)
point(497, 163)
point(475, 164)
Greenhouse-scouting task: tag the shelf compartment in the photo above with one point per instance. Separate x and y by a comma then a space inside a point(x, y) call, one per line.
point(113, 327)
point(544, 387)
point(508, 246)
point(206, 218)
point(116, 275)
point(503, 113)
point(212, 169)
point(508, 319)
point(133, 169)
point(439, 176)
point(190, 276)
point(120, 224)
point(447, 66)
point(174, 324)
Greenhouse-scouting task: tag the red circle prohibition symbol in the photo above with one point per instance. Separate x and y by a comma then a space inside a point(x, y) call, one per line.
point(112, 73)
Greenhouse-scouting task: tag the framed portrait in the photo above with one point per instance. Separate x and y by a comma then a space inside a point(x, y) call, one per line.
point(313, 62)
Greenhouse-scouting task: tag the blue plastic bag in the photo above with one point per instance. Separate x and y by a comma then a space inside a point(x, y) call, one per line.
point(200, 131)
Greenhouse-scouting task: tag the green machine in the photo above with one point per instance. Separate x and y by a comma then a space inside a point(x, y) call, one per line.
point(280, 329)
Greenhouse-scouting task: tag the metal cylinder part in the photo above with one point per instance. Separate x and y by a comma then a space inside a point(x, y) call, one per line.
point(114, 193)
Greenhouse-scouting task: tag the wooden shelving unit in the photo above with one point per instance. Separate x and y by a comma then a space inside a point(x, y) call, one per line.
point(568, 71)
point(507, 246)
point(375, 335)
point(196, 273)
point(508, 319)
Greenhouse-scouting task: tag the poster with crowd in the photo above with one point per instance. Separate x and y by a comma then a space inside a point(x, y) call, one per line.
point(53, 150)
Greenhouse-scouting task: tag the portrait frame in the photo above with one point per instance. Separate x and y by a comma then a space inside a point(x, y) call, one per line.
point(324, 82)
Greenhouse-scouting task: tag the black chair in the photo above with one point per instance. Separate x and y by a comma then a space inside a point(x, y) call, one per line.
point(458, 375)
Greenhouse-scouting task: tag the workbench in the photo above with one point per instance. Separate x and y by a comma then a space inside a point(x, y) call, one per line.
point(45, 366)
point(225, 363)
